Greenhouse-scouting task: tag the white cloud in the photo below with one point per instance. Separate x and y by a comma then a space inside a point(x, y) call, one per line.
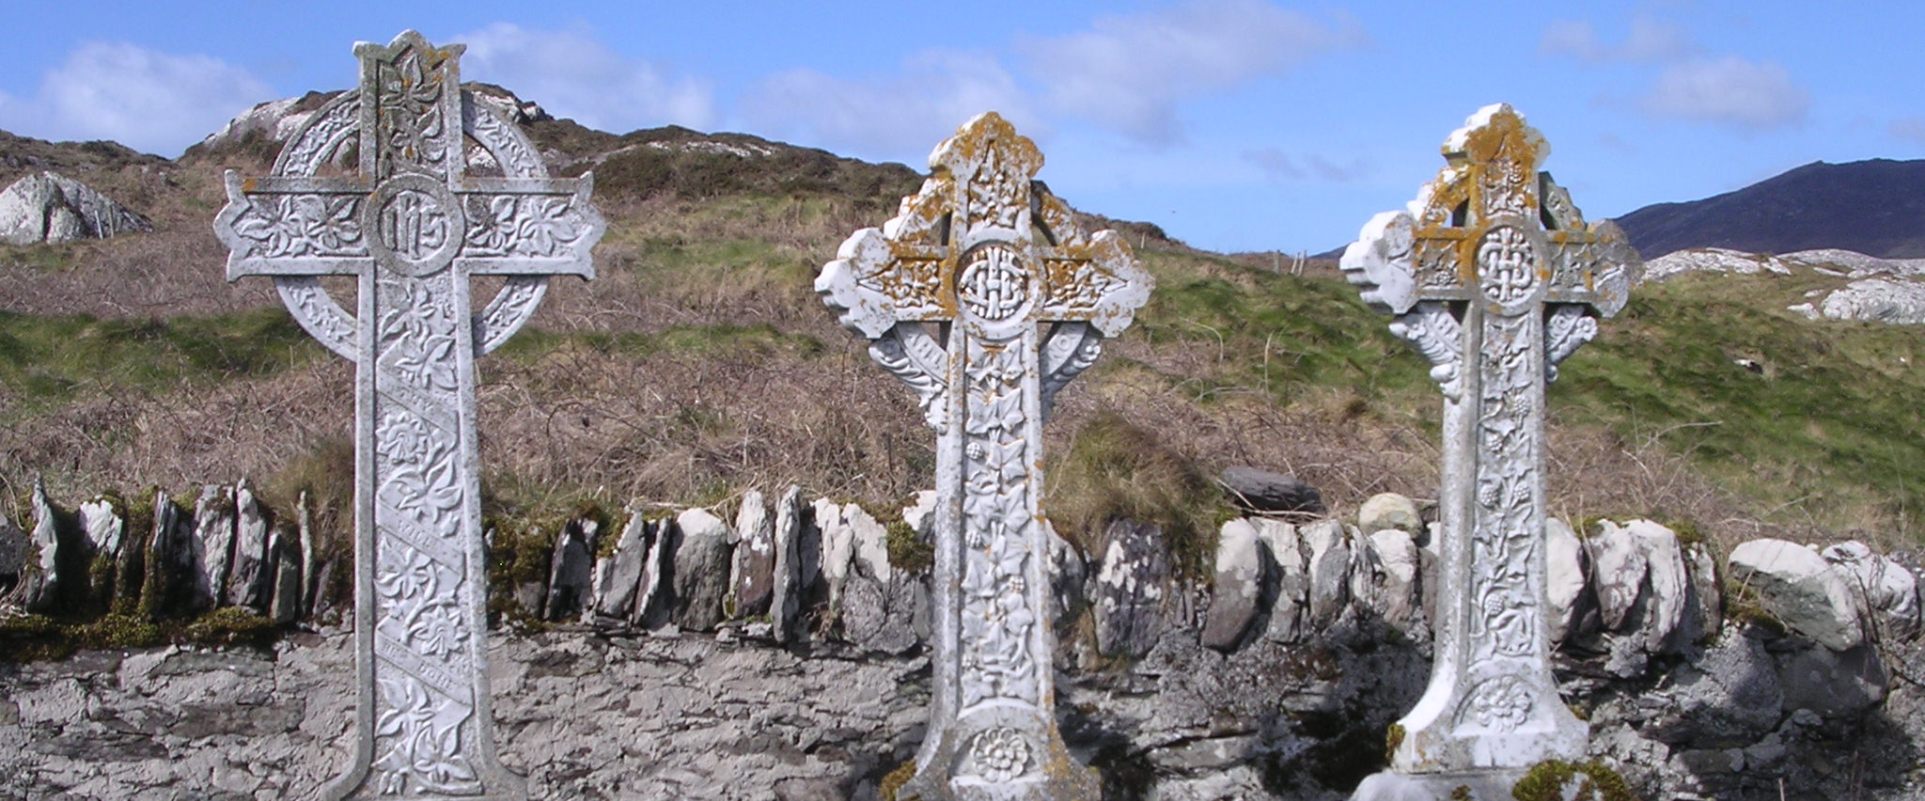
point(1730, 91)
point(1283, 167)
point(1908, 128)
point(145, 99)
point(573, 74)
point(1129, 72)
point(898, 117)
point(1648, 40)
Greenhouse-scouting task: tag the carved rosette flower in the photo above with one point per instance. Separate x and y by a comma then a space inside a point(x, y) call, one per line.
point(1001, 754)
point(402, 438)
point(1502, 704)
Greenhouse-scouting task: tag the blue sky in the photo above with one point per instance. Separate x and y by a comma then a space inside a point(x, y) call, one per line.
point(1234, 124)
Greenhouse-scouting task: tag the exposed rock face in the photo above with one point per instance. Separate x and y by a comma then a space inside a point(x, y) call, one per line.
point(701, 570)
point(45, 207)
point(1260, 490)
point(1877, 300)
point(753, 575)
point(1130, 589)
point(1388, 510)
point(1237, 592)
point(1800, 588)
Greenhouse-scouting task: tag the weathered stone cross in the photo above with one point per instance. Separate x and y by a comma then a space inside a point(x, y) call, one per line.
point(986, 298)
point(1494, 276)
point(412, 227)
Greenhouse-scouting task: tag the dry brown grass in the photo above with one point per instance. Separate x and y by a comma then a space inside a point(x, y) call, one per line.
point(700, 363)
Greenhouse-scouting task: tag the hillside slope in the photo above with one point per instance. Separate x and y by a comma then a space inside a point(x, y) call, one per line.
point(1875, 207)
point(701, 362)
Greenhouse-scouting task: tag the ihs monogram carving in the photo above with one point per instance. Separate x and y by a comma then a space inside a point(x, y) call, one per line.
point(1494, 290)
point(1027, 299)
point(411, 226)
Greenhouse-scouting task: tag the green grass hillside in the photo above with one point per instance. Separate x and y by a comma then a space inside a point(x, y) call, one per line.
point(701, 363)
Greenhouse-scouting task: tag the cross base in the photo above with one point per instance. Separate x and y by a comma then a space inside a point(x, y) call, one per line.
point(1442, 735)
point(942, 776)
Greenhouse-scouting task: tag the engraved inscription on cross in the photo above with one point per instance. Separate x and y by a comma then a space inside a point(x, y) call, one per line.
point(986, 297)
point(412, 220)
point(1494, 276)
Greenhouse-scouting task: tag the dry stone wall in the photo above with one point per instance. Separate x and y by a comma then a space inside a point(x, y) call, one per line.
point(635, 673)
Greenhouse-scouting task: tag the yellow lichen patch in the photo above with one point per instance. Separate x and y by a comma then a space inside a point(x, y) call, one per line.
point(892, 783)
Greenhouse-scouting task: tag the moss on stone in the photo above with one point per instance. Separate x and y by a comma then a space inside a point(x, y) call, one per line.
point(1594, 781)
point(1743, 606)
point(1393, 737)
point(1461, 793)
point(231, 625)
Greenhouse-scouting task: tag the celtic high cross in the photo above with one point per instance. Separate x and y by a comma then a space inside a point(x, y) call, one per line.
point(1495, 277)
point(411, 225)
point(986, 298)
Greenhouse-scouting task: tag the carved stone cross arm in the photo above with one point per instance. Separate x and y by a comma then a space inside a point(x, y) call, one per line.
point(985, 296)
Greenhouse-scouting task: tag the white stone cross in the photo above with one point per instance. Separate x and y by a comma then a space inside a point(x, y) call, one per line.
point(985, 297)
point(1495, 277)
point(411, 226)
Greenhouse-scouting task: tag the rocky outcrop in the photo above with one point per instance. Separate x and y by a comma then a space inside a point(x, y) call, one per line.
point(1877, 300)
point(49, 208)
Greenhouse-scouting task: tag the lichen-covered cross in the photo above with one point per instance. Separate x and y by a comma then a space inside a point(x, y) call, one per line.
point(985, 296)
point(381, 185)
point(1495, 277)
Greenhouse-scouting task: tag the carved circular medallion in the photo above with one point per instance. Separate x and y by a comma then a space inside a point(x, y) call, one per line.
point(416, 225)
point(1507, 268)
point(1000, 754)
point(993, 286)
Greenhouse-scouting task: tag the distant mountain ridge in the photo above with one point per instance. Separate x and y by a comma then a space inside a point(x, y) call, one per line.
point(1874, 207)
